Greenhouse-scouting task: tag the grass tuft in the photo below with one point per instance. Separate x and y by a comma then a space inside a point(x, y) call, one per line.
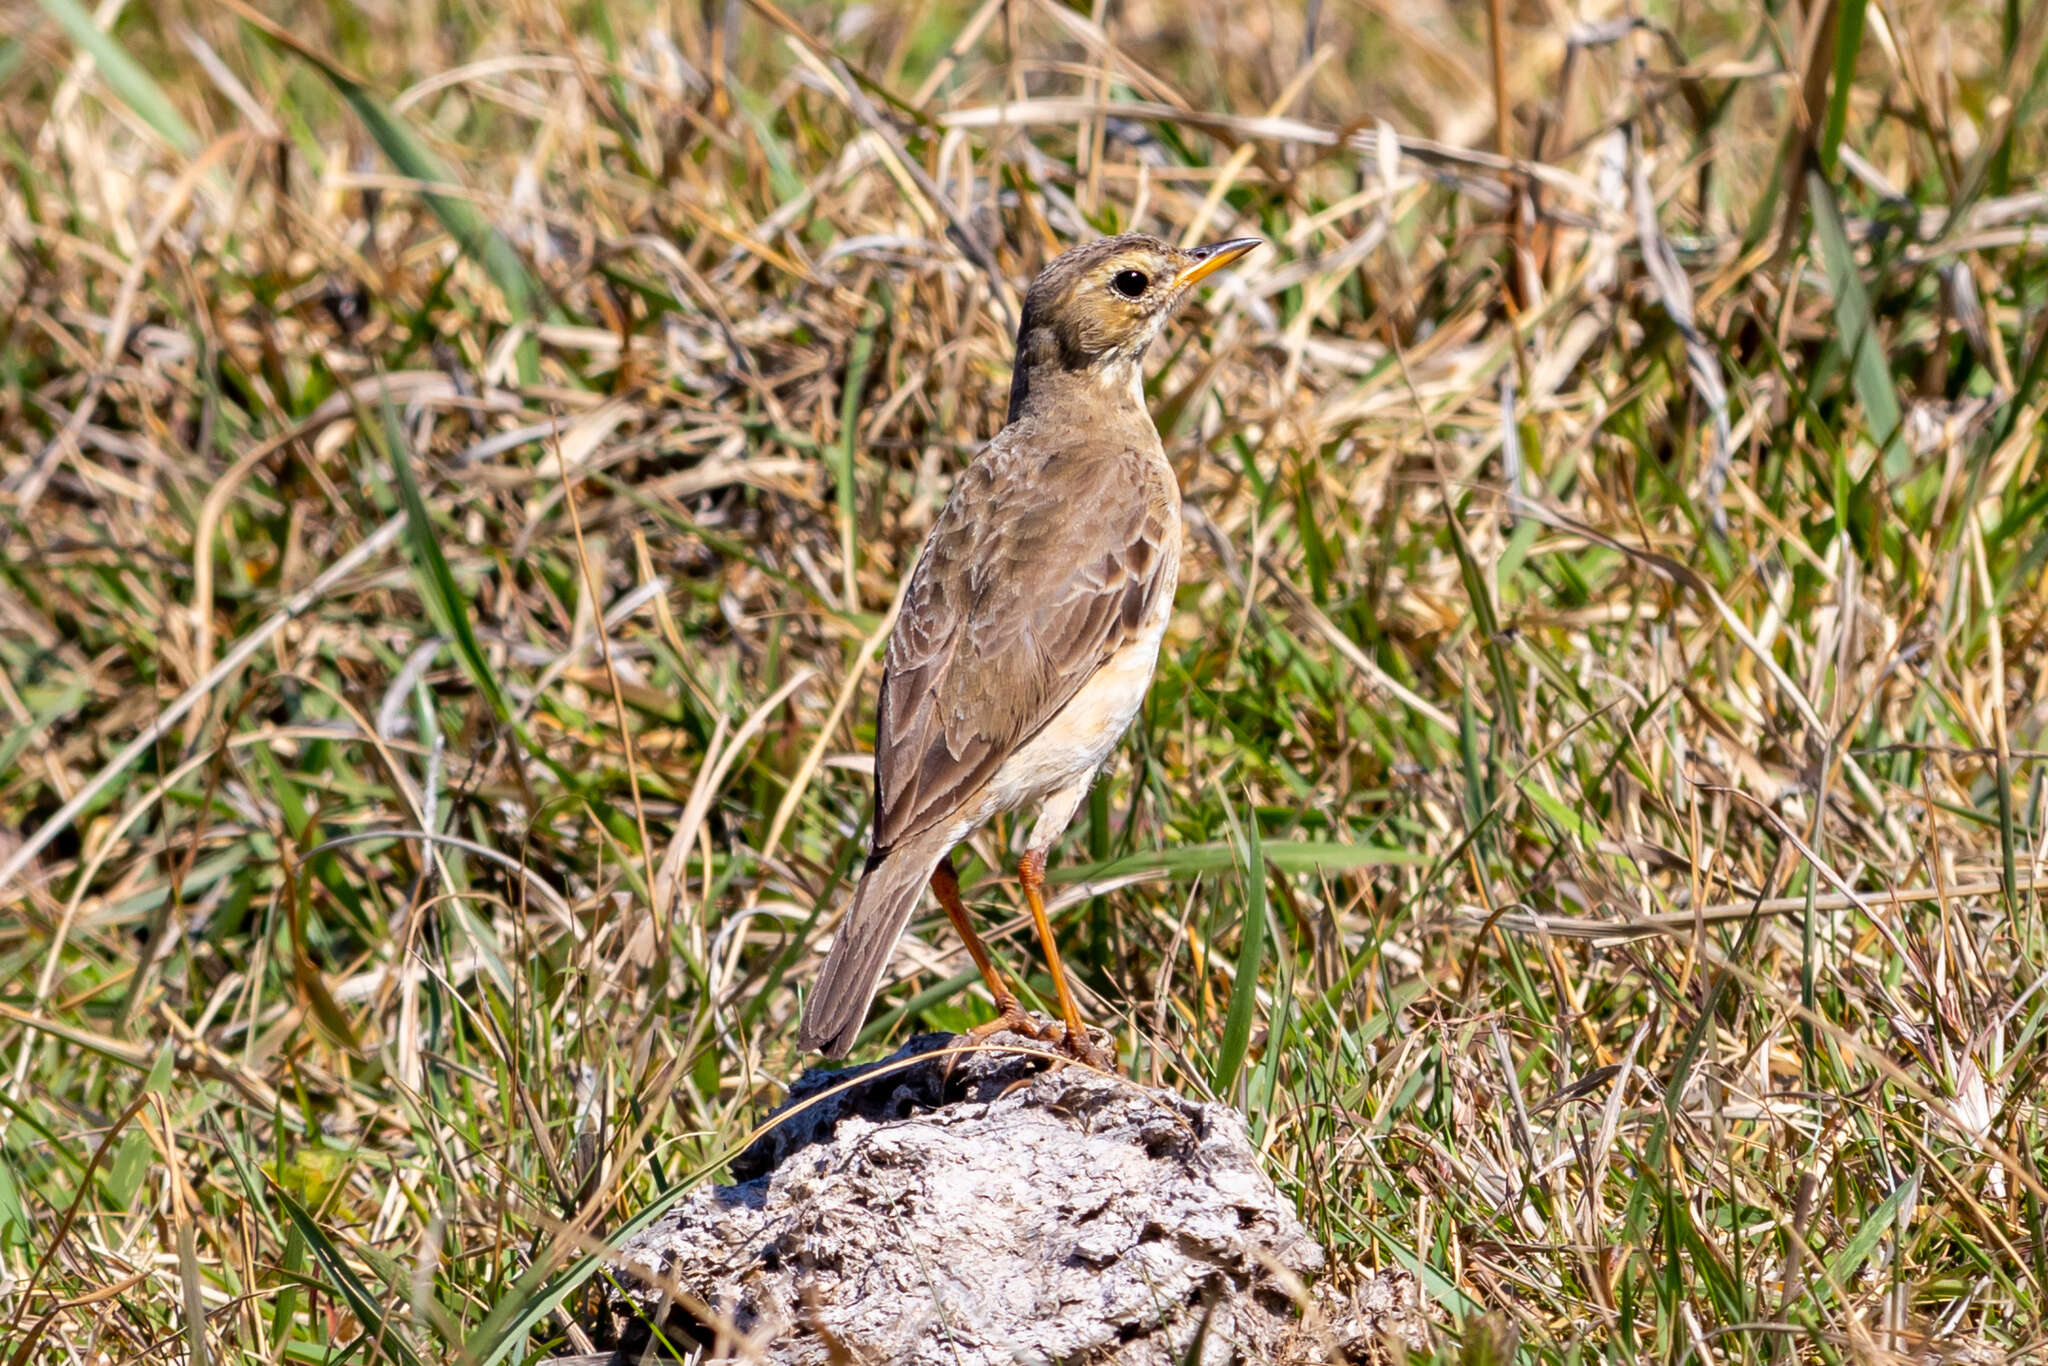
point(458, 465)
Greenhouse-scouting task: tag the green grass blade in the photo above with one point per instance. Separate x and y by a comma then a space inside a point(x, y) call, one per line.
point(478, 237)
point(14, 1224)
point(844, 471)
point(1244, 993)
point(124, 76)
point(365, 1304)
point(1846, 1265)
point(1870, 372)
point(541, 1290)
point(465, 222)
point(444, 599)
point(1848, 43)
point(16, 741)
point(1435, 1283)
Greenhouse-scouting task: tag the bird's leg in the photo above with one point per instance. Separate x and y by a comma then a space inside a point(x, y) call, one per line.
point(1031, 872)
point(1009, 1014)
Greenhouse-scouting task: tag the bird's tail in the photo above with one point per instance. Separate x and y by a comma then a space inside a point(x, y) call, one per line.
point(889, 891)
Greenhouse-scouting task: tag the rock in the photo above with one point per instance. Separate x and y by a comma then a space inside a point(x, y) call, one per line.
point(978, 1209)
point(1381, 1308)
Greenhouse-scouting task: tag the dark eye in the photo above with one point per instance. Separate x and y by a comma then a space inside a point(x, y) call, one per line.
point(1129, 283)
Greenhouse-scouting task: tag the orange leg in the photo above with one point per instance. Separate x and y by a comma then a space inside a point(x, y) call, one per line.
point(946, 886)
point(1031, 872)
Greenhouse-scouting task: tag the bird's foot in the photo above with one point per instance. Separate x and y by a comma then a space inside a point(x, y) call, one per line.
point(1080, 1047)
point(1084, 1050)
point(1015, 1019)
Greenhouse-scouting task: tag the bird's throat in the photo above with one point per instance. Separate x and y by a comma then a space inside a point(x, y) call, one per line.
point(1123, 378)
point(1110, 389)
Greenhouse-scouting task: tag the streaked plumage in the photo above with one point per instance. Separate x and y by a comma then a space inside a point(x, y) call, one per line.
point(1031, 628)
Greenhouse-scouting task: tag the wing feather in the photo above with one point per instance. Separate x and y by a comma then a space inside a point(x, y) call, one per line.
point(1027, 585)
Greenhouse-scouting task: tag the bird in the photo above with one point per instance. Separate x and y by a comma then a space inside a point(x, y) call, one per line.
point(1029, 632)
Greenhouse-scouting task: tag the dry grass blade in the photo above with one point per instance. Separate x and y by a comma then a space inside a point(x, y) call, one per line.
point(1674, 291)
point(127, 78)
point(162, 723)
point(1632, 689)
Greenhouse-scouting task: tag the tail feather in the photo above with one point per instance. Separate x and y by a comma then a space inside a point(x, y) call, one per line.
point(882, 904)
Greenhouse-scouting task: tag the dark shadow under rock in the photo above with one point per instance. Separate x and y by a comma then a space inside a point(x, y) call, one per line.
point(885, 1090)
point(979, 1210)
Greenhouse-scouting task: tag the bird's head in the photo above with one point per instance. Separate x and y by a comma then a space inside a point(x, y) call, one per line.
point(1096, 307)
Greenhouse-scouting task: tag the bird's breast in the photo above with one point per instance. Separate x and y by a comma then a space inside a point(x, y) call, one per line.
point(1079, 738)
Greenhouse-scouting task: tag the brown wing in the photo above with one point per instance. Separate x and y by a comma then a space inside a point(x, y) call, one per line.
point(1040, 567)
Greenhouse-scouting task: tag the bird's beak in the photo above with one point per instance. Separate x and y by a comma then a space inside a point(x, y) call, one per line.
point(1212, 258)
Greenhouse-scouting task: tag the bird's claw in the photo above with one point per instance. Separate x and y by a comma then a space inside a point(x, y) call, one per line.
point(1016, 1020)
point(1083, 1050)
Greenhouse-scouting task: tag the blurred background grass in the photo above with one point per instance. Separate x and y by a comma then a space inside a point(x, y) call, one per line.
point(457, 463)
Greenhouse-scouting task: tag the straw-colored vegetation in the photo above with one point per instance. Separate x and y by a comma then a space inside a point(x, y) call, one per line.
point(457, 462)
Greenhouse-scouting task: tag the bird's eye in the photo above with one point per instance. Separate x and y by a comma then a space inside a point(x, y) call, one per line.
point(1130, 283)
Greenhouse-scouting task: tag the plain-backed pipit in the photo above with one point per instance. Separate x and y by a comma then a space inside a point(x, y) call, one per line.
point(1031, 628)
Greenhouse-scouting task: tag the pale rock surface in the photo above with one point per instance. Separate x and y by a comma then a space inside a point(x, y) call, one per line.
point(981, 1210)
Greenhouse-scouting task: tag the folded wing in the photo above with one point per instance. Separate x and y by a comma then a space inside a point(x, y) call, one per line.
point(1007, 615)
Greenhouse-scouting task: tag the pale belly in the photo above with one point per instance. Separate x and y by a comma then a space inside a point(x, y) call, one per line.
point(1057, 765)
